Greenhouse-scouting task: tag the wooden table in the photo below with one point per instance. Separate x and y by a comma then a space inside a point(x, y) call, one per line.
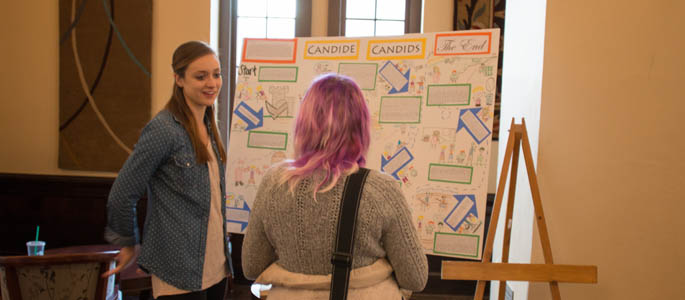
point(130, 281)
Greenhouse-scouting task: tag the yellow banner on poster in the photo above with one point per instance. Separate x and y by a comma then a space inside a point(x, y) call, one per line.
point(331, 49)
point(396, 49)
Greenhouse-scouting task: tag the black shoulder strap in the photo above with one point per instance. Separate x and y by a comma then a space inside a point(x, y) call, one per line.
point(344, 241)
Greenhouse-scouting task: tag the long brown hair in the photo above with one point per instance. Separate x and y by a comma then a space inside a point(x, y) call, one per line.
point(183, 56)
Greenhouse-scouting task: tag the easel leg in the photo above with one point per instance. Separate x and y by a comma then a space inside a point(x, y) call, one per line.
point(539, 213)
point(510, 207)
point(487, 252)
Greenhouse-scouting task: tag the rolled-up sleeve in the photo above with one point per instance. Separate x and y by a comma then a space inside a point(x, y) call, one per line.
point(131, 183)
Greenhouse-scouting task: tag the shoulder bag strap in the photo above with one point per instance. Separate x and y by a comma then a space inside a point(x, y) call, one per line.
point(344, 241)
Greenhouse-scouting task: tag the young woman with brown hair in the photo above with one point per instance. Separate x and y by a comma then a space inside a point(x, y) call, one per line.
point(179, 161)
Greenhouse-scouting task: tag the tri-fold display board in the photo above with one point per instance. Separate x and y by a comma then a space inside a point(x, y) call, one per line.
point(431, 98)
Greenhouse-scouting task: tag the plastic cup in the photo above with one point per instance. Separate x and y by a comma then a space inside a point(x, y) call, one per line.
point(35, 247)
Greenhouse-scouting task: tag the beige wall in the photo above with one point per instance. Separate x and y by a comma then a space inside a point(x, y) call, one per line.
point(611, 146)
point(30, 79)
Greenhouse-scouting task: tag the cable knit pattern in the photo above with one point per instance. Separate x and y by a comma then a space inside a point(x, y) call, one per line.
point(297, 232)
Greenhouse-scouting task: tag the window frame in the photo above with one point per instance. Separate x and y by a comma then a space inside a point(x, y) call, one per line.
point(337, 11)
point(228, 25)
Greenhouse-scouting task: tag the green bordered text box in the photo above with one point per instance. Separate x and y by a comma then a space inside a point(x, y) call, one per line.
point(269, 73)
point(409, 105)
point(362, 78)
point(267, 140)
point(450, 173)
point(456, 244)
point(448, 94)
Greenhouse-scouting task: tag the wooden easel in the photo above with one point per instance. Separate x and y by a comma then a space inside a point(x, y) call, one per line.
point(486, 270)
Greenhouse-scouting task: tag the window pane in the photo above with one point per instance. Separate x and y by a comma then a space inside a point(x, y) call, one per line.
point(252, 8)
point(359, 28)
point(280, 28)
point(281, 8)
point(361, 9)
point(389, 27)
point(248, 27)
point(391, 9)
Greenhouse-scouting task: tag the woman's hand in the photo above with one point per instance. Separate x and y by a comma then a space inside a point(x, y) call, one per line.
point(127, 255)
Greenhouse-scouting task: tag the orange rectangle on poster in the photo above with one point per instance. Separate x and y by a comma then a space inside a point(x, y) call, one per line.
point(273, 44)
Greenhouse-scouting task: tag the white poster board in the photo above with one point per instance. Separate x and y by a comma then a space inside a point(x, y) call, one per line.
point(431, 98)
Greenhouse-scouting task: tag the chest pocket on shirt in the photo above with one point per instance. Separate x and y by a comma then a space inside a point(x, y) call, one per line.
point(184, 161)
point(186, 170)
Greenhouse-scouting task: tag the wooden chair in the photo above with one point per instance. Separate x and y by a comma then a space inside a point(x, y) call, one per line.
point(60, 276)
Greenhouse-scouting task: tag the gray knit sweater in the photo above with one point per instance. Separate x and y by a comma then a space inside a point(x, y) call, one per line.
point(298, 232)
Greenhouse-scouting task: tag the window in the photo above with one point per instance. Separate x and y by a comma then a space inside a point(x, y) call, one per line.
point(239, 19)
point(373, 17)
point(274, 19)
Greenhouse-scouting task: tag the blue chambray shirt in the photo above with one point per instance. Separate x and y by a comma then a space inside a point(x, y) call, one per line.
point(163, 164)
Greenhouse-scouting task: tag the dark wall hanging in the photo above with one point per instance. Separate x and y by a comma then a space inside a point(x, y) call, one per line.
point(104, 88)
point(481, 14)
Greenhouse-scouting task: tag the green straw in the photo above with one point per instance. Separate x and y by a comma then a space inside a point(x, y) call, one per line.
point(35, 250)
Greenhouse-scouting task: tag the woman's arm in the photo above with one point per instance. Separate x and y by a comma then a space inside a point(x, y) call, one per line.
point(402, 244)
point(257, 252)
point(150, 151)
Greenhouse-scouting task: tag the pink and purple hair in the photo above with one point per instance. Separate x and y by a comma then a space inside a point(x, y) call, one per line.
point(331, 132)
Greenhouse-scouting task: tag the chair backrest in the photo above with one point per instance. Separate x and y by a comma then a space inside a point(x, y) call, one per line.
point(59, 276)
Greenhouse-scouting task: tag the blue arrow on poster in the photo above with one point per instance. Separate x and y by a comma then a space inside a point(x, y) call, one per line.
point(395, 163)
point(394, 77)
point(250, 116)
point(468, 119)
point(238, 215)
point(466, 205)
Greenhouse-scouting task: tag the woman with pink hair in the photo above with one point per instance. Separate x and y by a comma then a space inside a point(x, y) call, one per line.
point(292, 228)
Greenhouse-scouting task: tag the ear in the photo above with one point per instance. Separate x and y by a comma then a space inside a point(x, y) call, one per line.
point(179, 80)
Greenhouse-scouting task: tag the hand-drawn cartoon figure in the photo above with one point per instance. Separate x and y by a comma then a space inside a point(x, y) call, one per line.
point(489, 97)
point(422, 79)
point(430, 228)
point(412, 171)
point(469, 159)
point(261, 95)
point(239, 125)
point(436, 74)
point(451, 156)
point(243, 91)
point(435, 139)
point(443, 201)
point(440, 225)
point(471, 224)
point(479, 160)
point(240, 201)
point(254, 171)
point(478, 96)
point(412, 87)
point(419, 222)
point(485, 113)
point(486, 70)
point(461, 156)
point(239, 171)
point(322, 67)
point(453, 76)
point(442, 153)
point(400, 144)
